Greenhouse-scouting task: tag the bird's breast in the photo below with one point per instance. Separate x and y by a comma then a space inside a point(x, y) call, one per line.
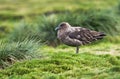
point(61, 34)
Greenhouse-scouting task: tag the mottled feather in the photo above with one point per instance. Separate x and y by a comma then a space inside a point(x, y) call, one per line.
point(85, 35)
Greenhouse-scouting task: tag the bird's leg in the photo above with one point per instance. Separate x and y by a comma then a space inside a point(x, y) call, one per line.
point(77, 49)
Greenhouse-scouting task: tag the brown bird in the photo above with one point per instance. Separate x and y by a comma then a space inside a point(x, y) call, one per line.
point(76, 36)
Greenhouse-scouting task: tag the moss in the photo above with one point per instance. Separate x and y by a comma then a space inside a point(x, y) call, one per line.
point(115, 69)
point(64, 65)
point(114, 60)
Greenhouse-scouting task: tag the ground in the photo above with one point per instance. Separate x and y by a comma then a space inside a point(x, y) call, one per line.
point(98, 61)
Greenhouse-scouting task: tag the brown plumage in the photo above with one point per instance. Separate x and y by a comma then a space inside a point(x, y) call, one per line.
point(76, 36)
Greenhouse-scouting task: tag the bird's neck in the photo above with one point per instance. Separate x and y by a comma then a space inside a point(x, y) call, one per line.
point(62, 34)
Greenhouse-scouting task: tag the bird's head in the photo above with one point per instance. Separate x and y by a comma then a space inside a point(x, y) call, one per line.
point(63, 25)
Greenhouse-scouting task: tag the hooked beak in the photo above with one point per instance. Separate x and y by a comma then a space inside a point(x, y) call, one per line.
point(57, 28)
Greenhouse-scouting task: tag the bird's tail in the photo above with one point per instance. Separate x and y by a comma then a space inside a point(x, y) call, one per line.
point(100, 35)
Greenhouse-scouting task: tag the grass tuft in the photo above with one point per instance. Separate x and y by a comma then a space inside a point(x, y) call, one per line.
point(24, 31)
point(11, 52)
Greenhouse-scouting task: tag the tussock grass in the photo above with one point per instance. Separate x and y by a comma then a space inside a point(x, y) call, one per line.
point(117, 9)
point(101, 21)
point(47, 31)
point(43, 28)
point(94, 20)
point(24, 31)
point(4, 30)
point(15, 51)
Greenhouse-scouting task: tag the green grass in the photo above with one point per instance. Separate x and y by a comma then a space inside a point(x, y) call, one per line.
point(16, 51)
point(98, 20)
point(63, 63)
point(20, 9)
point(21, 59)
point(24, 31)
point(13, 12)
point(43, 27)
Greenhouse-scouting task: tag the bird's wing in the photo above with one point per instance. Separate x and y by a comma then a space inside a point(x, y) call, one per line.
point(85, 35)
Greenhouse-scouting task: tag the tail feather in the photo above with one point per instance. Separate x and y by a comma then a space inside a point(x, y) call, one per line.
point(100, 36)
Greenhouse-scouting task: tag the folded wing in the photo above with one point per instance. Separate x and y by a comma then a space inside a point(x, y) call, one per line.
point(85, 35)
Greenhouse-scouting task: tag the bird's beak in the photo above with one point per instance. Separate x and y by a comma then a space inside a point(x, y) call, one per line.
point(57, 28)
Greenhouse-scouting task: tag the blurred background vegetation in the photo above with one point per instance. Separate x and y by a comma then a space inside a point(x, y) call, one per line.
point(38, 18)
point(27, 28)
